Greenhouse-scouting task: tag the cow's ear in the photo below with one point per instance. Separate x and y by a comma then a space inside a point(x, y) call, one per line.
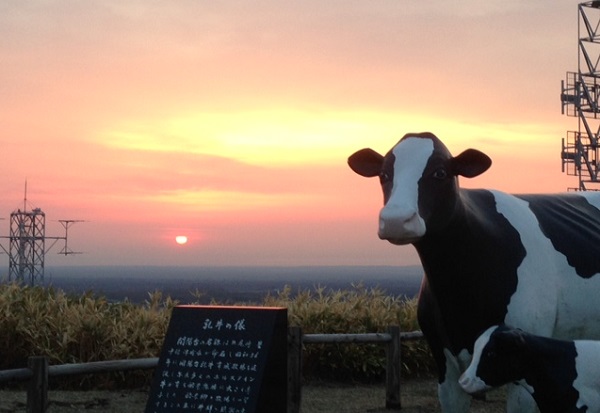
point(366, 162)
point(471, 163)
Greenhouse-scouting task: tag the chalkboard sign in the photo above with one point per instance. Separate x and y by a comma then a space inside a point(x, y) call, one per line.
point(219, 359)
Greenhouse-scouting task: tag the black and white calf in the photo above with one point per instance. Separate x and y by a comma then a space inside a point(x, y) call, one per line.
point(562, 376)
point(531, 261)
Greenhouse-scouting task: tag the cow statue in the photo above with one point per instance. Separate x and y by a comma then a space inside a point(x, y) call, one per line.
point(561, 375)
point(489, 258)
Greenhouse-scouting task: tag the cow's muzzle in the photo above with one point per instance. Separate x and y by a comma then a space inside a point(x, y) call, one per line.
point(472, 384)
point(400, 226)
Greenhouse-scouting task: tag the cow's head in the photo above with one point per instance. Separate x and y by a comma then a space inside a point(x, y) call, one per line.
point(500, 356)
point(419, 181)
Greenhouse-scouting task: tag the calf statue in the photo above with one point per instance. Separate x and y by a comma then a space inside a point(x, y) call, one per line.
point(531, 261)
point(562, 376)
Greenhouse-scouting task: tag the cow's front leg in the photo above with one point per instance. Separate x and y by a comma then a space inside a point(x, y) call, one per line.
point(453, 399)
point(519, 400)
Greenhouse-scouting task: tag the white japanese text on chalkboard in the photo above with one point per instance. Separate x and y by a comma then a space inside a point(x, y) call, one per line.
point(210, 372)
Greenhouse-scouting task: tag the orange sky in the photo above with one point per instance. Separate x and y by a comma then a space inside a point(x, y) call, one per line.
point(230, 122)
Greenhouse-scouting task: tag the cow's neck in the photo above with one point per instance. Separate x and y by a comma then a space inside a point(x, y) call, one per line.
point(475, 246)
point(461, 248)
point(471, 265)
point(452, 261)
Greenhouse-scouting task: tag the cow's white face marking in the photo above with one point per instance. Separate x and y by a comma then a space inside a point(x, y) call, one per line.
point(399, 219)
point(469, 380)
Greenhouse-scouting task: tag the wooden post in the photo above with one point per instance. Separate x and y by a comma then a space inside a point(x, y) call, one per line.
point(294, 369)
point(392, 376)
point(37, 391)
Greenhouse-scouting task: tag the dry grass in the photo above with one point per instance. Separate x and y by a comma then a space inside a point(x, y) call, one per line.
point(355, 310)
point(67, 329)
point(79, 329)
point(70, 329)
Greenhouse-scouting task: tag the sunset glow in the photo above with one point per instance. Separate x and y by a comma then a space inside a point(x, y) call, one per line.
point(231, 122)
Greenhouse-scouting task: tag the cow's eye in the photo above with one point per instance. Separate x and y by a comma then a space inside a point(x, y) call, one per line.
point(491, 354)
point(440, 173)
point(384, 177)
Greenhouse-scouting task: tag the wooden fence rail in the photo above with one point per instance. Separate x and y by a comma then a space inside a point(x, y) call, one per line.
point(38, 371)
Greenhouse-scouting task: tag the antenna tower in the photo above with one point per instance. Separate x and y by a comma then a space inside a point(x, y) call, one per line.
point(580, 97)
point(27, 244)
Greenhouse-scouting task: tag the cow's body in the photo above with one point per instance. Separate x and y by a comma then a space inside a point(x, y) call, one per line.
point(562, 376)
point(489, 257)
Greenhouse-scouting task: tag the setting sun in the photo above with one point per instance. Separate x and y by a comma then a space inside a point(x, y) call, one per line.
point(181, 239)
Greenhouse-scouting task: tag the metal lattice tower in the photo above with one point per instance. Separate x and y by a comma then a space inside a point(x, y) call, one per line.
point(27, 244)
point(580, 97)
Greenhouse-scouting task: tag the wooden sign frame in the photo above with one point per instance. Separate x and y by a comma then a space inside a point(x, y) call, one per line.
point(222, 359)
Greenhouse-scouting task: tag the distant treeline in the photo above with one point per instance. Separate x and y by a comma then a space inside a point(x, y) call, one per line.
point(226, 284)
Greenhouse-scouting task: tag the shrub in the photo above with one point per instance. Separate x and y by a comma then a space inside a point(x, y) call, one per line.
point(79, 329)
point(68, 329)
point(357, 310)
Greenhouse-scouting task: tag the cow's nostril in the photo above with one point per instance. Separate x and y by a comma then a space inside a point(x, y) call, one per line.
point(410, 216)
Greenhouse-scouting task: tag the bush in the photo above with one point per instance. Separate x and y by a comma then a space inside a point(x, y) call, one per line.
point(79, 329)
point(358, 310)
point(66, 329)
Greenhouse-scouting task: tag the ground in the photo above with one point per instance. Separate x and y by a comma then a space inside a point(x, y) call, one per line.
point(417, 396)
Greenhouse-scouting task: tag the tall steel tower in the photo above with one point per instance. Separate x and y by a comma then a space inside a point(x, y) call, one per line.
point(580, 95)
point(27, 244)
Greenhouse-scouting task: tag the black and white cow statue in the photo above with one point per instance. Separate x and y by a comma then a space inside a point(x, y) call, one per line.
point(562, 376)
point(489, 258)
